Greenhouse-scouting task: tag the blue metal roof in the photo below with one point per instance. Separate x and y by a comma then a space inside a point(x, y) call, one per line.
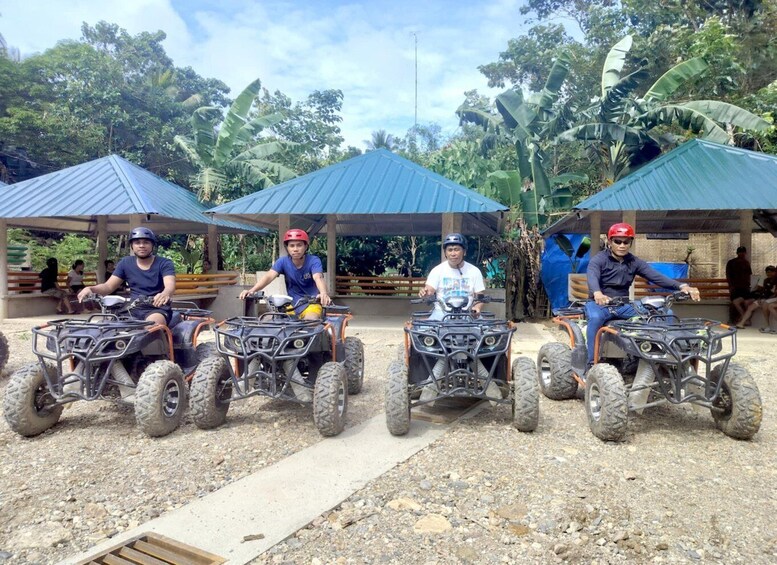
point(697, 187)
point(71, 199)
point(367, 194)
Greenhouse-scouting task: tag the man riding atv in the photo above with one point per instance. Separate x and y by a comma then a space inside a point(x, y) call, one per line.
point(147, 275)
point(610, 274)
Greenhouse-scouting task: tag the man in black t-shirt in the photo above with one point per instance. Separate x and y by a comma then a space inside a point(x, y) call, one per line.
point(147, 275)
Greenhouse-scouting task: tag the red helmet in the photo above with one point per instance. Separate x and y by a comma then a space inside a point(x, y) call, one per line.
point(296, 235)
point(622, 230)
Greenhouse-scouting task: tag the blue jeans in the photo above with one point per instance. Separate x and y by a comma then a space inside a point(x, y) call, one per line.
point(597, 316)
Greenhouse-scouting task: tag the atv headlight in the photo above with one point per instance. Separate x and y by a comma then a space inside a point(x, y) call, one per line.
point(490, 341)
point(120, 344)
point(645, 347)
point(428, 341)
point(299, 343)
point(232, 343)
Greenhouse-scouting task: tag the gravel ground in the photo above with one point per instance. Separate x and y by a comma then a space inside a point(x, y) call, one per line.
point(676, 490)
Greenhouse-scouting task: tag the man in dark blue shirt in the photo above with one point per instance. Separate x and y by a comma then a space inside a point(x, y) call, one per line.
point(147, 276)
point(610, 274)
point(303, 272)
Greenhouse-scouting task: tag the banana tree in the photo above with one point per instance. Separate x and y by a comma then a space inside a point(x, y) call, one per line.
point(230, 151)
point(528, 123)
point(619, 125)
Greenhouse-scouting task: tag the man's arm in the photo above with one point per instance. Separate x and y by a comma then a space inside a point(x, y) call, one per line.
point(107, 287)
point(167, 294)
point(593, 277)
point(655, 277)
point(323, 293)
point(266, 279)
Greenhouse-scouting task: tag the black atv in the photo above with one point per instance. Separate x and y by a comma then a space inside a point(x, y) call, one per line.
point(654, 358)
point(111, 357)
point(462, 356)
point(279, 355)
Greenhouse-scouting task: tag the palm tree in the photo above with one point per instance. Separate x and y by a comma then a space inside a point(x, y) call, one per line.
point(381, 140)
point(230, 151)
point(618, 125)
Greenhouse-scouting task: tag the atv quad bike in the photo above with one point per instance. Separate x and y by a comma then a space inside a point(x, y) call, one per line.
point(111, 357)
point(654, 358)
point(281, 356)
point(3, 352)
point(459, 356)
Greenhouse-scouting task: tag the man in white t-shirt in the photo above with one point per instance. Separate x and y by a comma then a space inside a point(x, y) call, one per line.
point(454, 276)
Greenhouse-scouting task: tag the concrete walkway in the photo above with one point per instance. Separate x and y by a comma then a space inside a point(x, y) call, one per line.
point(280, 499)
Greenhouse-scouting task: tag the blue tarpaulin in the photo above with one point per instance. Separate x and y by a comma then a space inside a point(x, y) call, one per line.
point(556, 266)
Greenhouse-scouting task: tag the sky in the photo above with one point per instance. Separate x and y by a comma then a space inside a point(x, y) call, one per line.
point(364, 48)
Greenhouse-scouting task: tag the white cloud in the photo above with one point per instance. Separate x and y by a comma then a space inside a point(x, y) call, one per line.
point(363, 48)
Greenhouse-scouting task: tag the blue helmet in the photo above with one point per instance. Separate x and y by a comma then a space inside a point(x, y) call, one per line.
point(142, 233)
point(454, 239)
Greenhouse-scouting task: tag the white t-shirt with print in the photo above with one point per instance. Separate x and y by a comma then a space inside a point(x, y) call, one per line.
point(448, 281)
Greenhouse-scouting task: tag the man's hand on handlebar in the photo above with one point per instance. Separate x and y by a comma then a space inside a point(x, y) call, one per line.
point(601, 299)
point(324, 299)
point(160, 299)
point(692, 291)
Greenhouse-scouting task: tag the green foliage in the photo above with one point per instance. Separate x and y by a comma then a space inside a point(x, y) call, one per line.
point(231, 159)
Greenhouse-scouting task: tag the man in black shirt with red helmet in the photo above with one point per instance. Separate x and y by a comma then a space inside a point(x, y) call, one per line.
point(610, 274)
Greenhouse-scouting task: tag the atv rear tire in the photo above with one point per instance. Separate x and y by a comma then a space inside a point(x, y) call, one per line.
point(3, 352)
point(354, 364)
point(210, 392)
point(160, 398)
point(740, 400)
point(526, 395)
point(28, 406)
point(606, 402)
point(397, 399)
point(330, 399)
point(554, 369)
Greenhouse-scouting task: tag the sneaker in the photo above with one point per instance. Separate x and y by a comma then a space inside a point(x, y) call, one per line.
point(766, 331)
point(493, 391)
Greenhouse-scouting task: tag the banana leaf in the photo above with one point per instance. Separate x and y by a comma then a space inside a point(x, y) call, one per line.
point(507, 186)
point(235, 119)
point(672, 79)
point(558, 73)
point(725, 113)
point(613, 64)
point(564, 244)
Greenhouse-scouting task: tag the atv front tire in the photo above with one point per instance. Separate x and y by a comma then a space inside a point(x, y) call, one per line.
point(29, 407)
point(330, 399)
point(397, 399)
point(554, 369)
point(740, 400)
point(354, 364)
point(210, 392)
point(526, 395)
point(160, 398)
point(606, 402)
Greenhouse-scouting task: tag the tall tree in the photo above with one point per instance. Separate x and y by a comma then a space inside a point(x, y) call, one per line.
point(381, 140)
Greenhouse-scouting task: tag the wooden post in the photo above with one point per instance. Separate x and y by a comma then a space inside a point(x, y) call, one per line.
point(746, 230)
point(213, 247)
point(596, 232)
point(630, 217)
point(136, 221)
point(284, 223)
point(448, 223)
point(3, 269)
point(331, 253)
point(102, 247)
